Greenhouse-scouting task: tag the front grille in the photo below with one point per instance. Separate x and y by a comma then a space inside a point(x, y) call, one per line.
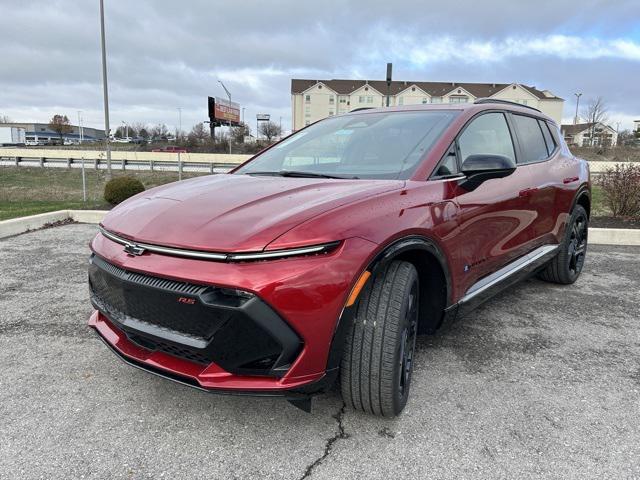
point(171, 349)
point(199, 323)
point(129, 296)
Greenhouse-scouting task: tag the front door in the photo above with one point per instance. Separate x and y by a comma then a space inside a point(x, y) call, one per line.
point(494, 220)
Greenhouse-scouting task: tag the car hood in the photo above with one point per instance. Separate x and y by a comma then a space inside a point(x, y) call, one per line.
point(233, 213)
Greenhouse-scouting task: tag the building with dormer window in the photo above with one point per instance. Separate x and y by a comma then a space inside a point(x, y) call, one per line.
point(312, 100)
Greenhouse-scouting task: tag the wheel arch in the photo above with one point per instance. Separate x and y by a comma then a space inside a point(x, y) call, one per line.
point(583, 198)
point(433, 274)
point(425, 255)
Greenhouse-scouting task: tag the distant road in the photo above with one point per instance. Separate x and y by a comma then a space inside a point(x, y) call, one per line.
point(32, 157)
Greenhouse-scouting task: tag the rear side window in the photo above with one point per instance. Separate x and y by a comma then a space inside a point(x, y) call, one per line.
point(488, 134)
point(531, 139)
point(548, 138)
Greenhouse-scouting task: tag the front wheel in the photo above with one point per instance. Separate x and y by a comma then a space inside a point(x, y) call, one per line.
point(565, 267)
point(379, 353)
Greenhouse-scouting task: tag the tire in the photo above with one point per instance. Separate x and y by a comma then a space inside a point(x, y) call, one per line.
point(566, 266)
point(379, 352)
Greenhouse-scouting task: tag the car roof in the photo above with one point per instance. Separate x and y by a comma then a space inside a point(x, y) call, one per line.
point(471, 107)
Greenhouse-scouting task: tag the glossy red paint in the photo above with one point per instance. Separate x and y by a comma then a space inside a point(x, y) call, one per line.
point(476, 231)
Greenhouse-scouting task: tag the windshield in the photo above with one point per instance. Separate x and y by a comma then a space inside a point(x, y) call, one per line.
point(373, 145)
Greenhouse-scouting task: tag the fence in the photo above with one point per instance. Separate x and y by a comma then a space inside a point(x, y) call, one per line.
point(212, 162)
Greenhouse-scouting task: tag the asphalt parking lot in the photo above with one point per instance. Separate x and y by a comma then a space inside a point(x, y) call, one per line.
point(542, 381)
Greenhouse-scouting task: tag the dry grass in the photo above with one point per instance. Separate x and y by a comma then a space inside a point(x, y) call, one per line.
point(26, 191)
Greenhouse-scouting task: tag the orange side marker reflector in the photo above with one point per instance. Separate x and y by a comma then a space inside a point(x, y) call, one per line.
point(353, 296)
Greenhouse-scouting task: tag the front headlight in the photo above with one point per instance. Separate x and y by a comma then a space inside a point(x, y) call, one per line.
point(292, 252)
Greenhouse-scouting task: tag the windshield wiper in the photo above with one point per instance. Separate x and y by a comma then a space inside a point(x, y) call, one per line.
point(301, 174)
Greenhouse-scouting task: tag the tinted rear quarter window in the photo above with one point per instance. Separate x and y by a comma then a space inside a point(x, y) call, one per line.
point(532, 143)
point(548, 138)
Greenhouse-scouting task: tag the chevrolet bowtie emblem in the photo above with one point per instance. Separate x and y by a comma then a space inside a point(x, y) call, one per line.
point(133, 249)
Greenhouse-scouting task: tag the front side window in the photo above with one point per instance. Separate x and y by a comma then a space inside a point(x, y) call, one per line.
point(387, 145)
point(487, 134)
point(532, 142)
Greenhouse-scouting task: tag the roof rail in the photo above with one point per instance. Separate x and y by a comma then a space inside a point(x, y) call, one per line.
point(504, 102)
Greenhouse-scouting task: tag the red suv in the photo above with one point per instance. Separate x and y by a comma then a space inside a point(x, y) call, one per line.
point(326, 254)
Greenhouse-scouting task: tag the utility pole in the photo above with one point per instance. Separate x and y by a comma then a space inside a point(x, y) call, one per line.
point(80, 132)
point(105, 90)
point(179, 129)
point(575, 119)
point(126, 129)
point(389, 67)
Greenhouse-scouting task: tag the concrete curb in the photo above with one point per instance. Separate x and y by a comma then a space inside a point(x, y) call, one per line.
point(614, 236)
point(15, 226)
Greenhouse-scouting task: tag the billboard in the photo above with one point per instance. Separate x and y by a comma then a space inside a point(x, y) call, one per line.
point(223, 112)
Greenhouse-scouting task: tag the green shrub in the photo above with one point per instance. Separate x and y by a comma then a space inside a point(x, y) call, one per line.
point(621, 189)
point(120, 188)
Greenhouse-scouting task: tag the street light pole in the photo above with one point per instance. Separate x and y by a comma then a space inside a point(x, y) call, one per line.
point(126, 129)
point(80, 127)
point(575, 119)
point(105, 90)
point(179, 129)
point(228, 95)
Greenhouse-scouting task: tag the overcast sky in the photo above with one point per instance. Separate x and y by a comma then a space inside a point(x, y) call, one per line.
point(168, 54)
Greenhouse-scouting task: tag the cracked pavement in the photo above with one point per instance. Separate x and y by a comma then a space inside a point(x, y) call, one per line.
point(542, 381)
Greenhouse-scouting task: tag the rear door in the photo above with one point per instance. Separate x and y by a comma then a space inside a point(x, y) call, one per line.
point(537, 157)
point(493, 219)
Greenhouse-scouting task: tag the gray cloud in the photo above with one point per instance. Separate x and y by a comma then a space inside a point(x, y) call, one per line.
point(166, 54)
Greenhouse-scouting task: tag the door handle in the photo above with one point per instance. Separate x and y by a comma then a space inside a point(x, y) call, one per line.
point(527, 192)
point(570, 180)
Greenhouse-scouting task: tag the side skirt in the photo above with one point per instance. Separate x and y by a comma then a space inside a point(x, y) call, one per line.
point(510, 274)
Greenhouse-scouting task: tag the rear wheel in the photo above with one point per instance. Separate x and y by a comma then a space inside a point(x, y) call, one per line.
point(565, 267)
point(379, 353)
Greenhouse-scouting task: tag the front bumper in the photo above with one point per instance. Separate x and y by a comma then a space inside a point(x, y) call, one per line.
point(307, 293)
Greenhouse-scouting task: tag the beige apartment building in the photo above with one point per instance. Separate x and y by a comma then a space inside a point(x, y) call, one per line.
point(313, 100)
point(589, 135)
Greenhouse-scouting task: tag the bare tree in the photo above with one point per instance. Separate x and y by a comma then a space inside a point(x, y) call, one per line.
point(199, 132)
point(238, 133)
point(61, 125)
point(122, 132)
point(270, 130)
point(160, 131)
point(5, 119)
point(595, 113)
point(136, 128)
point(625, 137)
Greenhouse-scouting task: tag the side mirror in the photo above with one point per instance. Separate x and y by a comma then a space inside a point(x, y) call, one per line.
point(480, 168)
